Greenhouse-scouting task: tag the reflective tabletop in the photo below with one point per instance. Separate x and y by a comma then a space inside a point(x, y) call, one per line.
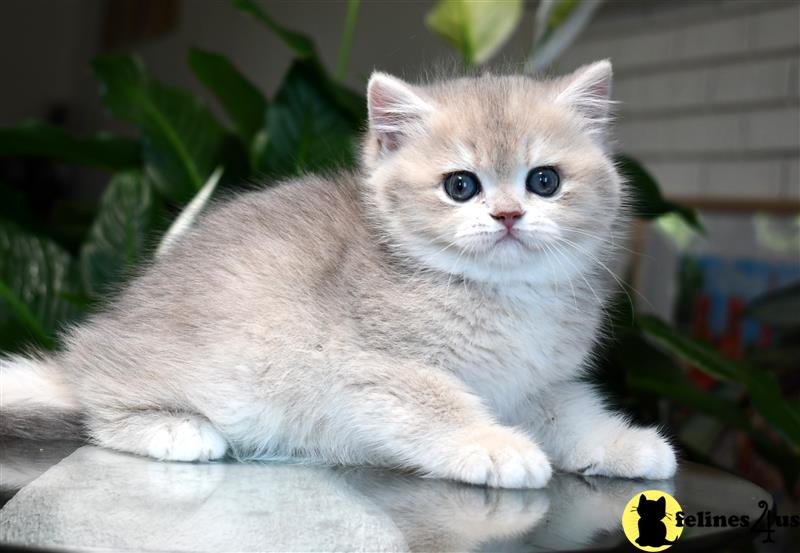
point(67, 496)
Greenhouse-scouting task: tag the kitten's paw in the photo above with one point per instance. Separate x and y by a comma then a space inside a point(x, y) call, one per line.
point(499, 457)
point(186, 439)
point(633, 453)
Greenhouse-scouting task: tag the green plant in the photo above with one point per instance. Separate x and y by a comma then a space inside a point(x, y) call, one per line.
point(183, 154)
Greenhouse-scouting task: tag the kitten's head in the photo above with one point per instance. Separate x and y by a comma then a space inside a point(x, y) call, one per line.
point(494, 177)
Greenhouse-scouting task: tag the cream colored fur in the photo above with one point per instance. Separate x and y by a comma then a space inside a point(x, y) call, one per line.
point(367, 318)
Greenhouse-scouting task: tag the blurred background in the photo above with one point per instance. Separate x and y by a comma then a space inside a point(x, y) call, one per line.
point(115, 113)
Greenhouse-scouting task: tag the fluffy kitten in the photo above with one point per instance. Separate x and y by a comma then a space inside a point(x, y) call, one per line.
point(433, 311)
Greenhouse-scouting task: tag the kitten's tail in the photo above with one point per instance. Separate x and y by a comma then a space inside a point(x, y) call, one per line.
point(35, 400)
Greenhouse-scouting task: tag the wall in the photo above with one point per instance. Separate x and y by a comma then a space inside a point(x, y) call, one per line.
point(44, 51)
point(708, 90)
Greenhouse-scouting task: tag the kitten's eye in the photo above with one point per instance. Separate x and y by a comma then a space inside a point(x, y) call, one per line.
point(462, 186)
point(542, 181)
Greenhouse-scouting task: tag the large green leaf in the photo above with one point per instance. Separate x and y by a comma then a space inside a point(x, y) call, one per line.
point(182, 140)
point(476, 29)
point(129, 211)
point(676, 386)
point(307, 129)
point(36, 277)
point(764, 391)
point(300, 44)
point(700, 354)
point(648, 203)
point(33, 138)
point(243, 102)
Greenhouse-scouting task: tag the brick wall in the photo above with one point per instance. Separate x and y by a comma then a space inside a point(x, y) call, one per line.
point(709, 93)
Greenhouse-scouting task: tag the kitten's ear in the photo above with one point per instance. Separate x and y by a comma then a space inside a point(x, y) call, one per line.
point(662, 501)
point(588, 92)
point(396, 109)
point(642, 499)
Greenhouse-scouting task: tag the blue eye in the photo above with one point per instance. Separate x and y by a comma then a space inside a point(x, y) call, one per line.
point(542, 181)
point(462, 185)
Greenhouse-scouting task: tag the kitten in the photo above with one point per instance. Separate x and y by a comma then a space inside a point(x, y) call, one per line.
point(434, 311)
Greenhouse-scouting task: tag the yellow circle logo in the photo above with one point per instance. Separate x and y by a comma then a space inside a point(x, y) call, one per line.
point(649, 520)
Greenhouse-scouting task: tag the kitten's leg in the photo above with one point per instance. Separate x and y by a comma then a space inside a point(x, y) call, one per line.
point(159, 434)
point(580, 435)
point(388, 412)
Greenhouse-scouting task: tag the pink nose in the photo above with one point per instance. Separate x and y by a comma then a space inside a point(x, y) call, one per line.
point(508, 218)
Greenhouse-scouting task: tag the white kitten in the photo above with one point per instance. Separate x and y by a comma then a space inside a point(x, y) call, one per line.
point(433, 311)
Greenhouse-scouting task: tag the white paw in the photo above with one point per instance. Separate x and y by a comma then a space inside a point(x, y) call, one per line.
point(633, 453)
point(186, 439)
point(499, 457)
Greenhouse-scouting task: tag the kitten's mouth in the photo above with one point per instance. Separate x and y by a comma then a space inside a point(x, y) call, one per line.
point(508, 237)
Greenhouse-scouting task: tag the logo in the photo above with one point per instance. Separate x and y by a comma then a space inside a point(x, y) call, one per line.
point(649, 520)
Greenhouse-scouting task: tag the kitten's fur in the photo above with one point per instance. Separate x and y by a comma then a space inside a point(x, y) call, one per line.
point(368, 318)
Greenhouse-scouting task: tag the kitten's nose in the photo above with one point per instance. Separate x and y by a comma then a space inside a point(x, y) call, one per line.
point(508, 218)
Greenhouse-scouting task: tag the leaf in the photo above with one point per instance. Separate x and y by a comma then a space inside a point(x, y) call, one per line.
point(676, 386)
point(243, 102)
point(103, 150)
point(34, 273)
point(300, 44)
point(182, 140)
point(648, 203)
point(700, 354)
point(307, 129)
point(352, 103)
point(189, 214)
point(476, 29)
point(765, 394)
point(128, 213)
point(557, 24)
point(777, 308)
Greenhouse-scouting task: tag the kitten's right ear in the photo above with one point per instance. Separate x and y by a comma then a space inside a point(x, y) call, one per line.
point(395, 110)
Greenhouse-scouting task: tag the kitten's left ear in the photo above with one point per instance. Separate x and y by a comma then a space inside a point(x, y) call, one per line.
point(588, 92)
point(396, 109)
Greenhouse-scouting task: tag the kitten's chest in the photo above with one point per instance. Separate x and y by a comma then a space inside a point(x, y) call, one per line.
point(507, 345)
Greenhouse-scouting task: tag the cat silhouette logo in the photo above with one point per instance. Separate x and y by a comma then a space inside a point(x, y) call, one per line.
point(649, 520)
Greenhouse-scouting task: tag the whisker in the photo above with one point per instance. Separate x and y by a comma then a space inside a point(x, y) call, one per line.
point(624, 286)
point(602, 240)
point(580, 273)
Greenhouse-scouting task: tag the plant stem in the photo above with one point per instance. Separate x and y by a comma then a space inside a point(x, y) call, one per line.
point(347, 38)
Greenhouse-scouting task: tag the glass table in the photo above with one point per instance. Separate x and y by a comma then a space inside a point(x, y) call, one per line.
point(66, 496)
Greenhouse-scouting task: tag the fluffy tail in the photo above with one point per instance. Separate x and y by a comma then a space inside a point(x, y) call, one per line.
point(35, 401)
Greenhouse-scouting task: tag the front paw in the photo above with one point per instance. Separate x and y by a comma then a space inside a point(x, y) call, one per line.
point(498, 457)
point(631, 453)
